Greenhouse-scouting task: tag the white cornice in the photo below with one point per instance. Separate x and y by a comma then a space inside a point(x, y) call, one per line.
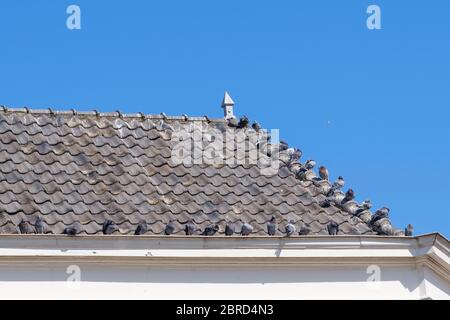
point(431, 250)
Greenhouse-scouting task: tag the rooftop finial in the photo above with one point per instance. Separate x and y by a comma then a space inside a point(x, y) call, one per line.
point(227, 105)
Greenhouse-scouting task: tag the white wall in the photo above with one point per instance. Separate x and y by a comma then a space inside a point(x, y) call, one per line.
point(107, 282)
point(321, 267)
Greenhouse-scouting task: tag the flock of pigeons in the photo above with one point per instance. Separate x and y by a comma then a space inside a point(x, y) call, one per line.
point(190, 228)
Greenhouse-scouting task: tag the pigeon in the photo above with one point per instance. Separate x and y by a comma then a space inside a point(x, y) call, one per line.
point(109, 227)
point(364, 206)
point(70, 231)
point(246, 229)
point(333, 228)
point(283, 146)
point(23, 227)
point(323, 173)
point(305, 229)
point(326, 203)
point(141, 228)
point(243, 122)
point(310, 164)
point(349, 196)
point(210, 230)
point(379, 214)
point(190, 228)
point(39, 225)
point(256, 126)
point(409, 230)
point(290, 228)
point(169, 229)
point(272, 227)
point(296, 155)
point(337, 185)
point(230, 229)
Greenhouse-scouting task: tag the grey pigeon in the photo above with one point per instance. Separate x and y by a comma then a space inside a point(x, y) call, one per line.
point(379, 214)
point(141, 228)
point(337, 185)
point(109, 227)
point(169, 229)
point(296, 155)
point(323, 173)
point(364, 206)
point(70, 231)
point(305, 229)
point(210, 230)
point(290, 228)
point(23, 227)
point(233, 123)
point(409, 230)
point(243, 122)
point(39, 225)
point(333, 228)
point(283, 146)
point(190, 228)
point(230, 229)
point(272, 227)
point(246, 229)
point(326, 203)
point(310, 164)
point(256, 126)
point(349, 196)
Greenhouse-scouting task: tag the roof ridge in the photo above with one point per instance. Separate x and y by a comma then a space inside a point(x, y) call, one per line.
point(115, 114)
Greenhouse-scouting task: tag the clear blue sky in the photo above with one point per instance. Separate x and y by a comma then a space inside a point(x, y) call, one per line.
point(371, 105)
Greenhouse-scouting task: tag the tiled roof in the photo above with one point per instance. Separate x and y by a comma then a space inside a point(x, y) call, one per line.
point(84, 168)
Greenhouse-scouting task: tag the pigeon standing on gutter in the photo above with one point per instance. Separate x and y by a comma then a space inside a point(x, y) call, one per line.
point(272, 227)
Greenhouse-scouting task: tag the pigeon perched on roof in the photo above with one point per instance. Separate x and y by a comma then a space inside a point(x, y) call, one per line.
point(141, 228)
point(409, 230)
point(230, 229)
point(246, 229)
point(294, 155)
point(283, 146)
point(310, 164)
point(243, 122)
point(337, 185)
point(349, 196)
point(379, 214)
point(364, 206)
point(70, 231)
point(210, 230)
point(39, 225)
point(333, 228)
point(23, 227)
point(272, 227)
point(169, 229)
point(109, 227)
point(290, 228)
point(327, 202)
point(190, 228)
point(256, 126)
point(305, 229)
point(323, 173)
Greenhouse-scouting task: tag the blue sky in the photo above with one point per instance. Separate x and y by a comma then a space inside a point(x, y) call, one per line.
point(371, 105)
